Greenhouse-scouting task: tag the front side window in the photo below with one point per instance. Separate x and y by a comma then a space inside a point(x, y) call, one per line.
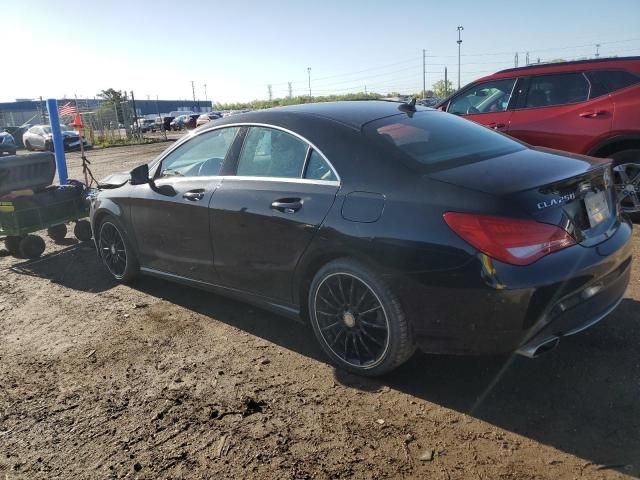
point(560, 89)
point(202, 156)
point(485, 97)
point(271, 153)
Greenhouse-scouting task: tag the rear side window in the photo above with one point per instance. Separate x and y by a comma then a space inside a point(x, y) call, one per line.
point(560, 89)
point(271, 153)
point(438, 140)
point(606, 81)
point(318, 168)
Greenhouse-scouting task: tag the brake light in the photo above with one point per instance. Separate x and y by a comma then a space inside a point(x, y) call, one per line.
point(510, 240)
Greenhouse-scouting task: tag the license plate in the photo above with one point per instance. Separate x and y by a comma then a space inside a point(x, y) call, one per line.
point(597, 208)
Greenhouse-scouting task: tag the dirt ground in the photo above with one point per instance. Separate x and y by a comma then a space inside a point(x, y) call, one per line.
point(158, 380)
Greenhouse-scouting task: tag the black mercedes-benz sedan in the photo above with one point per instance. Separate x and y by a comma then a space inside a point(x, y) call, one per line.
point(387, 226)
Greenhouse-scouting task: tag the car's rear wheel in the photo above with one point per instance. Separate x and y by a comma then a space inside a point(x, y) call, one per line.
point(358, 320)
point(116, 252)
point(626, 171)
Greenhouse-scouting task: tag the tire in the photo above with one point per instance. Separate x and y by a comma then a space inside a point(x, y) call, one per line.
point(31, 246)
point(116, 251)
point(82, 231)
point(28, 146)
point(48, 146)
point(626, 171)
point(57, 233)
point(12, 244)
point(349, 301)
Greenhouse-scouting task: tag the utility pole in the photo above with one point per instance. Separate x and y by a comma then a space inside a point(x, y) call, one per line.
point(597, 50)
point(290, 90)
point(135, 112)
point(526, 59)
point(270, 92)
point(446, 83)
point(424, 73)
point(365, 89)
point(460, 28)
point(515, 60)
point(309, 74)
point(206, 99)
point(193, 90)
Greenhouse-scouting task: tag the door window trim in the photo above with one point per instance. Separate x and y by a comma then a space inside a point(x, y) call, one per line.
point(158, 161)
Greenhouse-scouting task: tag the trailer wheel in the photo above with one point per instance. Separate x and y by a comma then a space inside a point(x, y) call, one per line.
point(57, 232)
point(82, 231)
point(31, 246)
point(12, 244)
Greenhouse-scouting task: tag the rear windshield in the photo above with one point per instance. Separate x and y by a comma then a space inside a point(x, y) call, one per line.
point(438, 140)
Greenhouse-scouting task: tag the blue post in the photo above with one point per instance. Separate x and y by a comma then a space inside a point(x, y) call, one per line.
point(58, 145)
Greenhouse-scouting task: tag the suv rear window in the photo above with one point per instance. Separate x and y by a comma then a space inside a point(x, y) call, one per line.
point(606, 81)
point(439, 140)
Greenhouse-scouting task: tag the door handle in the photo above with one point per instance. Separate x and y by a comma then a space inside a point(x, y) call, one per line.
point(496, 126)
point(287, 205)
point(592, 114)
point(193, 195)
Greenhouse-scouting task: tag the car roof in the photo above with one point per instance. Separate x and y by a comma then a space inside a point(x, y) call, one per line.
point(354, 113)
point(555, 67)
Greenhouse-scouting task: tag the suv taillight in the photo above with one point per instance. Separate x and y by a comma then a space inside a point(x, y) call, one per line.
point(510, 240)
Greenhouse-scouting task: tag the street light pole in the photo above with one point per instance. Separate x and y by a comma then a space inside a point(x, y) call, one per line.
point(460, 28)
point(309, 74)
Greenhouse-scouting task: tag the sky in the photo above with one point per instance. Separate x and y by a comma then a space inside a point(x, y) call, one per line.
point(157, 48)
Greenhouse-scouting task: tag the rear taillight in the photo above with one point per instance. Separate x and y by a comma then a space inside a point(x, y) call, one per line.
point(510, 240)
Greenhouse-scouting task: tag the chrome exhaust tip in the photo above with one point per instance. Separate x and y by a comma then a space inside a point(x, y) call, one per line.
point(536, 349)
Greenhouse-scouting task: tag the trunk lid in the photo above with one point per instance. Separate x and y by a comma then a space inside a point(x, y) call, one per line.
point(571, 191)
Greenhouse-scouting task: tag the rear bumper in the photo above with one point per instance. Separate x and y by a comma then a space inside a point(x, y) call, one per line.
point(7, 149)
point(489, 307)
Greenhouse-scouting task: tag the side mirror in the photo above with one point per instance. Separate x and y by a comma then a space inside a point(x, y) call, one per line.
point(140, 175)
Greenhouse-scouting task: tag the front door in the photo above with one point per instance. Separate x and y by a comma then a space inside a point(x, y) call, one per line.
point(265, 217)
point(171, 218)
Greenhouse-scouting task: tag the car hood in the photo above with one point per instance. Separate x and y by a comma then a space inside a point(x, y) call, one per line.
point(69, 134)
point(518, 171)
point(115, 180)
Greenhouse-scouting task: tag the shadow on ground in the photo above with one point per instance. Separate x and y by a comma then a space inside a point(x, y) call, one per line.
point(582, 398)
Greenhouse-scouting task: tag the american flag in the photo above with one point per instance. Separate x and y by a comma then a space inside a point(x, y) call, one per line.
point(67, 109)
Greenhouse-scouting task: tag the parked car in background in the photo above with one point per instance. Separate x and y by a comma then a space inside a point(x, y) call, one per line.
point(429, 101)
point(39, 137)
point(7, 144)
point(182, 121)
point(590, 107)
point(191, 122)
point(207, 117)
point(370, 219)
point(166, 122)
point(146, 125)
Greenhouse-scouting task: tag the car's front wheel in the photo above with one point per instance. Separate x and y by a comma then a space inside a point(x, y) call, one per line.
point(116, 251)
point(358, 320)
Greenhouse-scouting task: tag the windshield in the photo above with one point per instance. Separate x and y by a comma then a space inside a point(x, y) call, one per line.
point(435, 139)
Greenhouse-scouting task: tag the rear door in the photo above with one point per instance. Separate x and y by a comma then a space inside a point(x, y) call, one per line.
point(559, 111)
point(171, 219)
point(265, 216)
point(487, 103)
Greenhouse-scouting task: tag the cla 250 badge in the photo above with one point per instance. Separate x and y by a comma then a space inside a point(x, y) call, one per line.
point(556, 201)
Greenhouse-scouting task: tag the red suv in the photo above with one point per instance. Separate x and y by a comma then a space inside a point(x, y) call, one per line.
point(590, 107)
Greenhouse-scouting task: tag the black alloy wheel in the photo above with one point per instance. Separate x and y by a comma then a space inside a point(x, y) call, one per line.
point(113, 250)
point(357, 319)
